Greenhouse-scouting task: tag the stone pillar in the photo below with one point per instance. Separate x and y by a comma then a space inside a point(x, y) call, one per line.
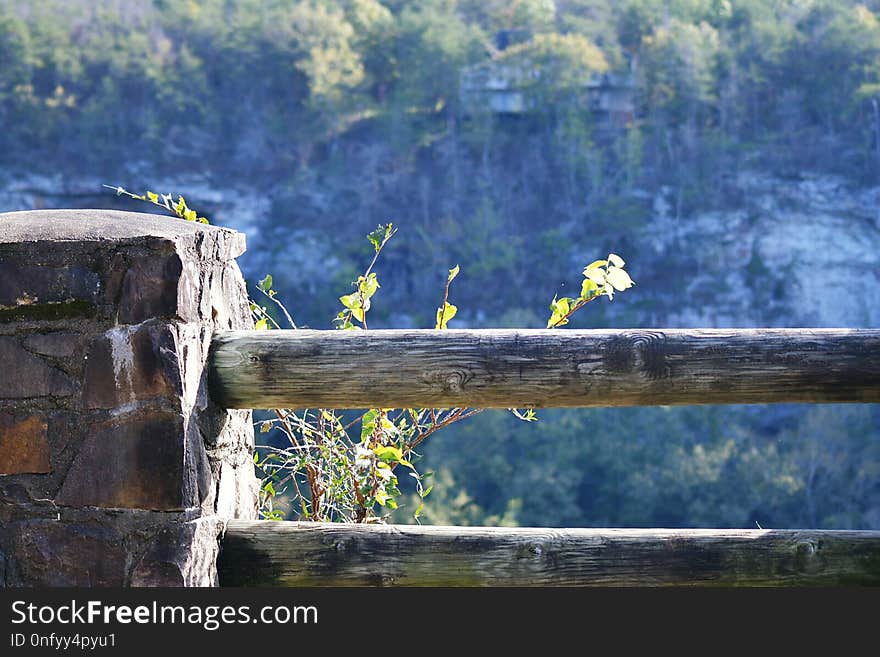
point(115, 467)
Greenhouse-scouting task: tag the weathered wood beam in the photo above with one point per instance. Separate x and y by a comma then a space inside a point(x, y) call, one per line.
point(266, 553)
point(542, 368)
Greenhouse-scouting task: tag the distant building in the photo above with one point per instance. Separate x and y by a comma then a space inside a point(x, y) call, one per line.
point(507, 87)
point(612, 98)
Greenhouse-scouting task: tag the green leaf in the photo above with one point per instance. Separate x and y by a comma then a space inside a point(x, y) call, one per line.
point(453, 273)
point(351, 301)
point(153, 197)
point(418, 510)
point(262, 325)
point(375, 237)
point(589, 289)
point(368, 285)
point(444, 314)
point(559, 308)
point(265, 284)
point(368, 423)
point(381, 235)
point(595, 265)
point(388, 453)
point(189, 215)
point(615, 260)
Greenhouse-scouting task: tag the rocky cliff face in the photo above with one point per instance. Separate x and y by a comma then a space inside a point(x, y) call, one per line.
point(800, 252)
point(792, 252)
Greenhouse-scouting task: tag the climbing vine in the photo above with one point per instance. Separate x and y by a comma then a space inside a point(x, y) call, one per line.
point(335, 466)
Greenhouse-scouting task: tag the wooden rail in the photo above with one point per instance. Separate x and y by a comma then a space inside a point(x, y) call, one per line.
point(542, 368)
point(265, 553)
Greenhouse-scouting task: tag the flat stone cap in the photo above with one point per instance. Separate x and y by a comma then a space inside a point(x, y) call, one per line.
point(112, 226)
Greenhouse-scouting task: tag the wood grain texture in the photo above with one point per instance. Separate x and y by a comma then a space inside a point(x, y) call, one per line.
point(266, 553)
point(542, 368)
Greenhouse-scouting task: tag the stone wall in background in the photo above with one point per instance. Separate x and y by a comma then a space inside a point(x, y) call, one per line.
point(115, 468)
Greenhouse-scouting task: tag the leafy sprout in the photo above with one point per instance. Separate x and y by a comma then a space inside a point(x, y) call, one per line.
point(601, 278)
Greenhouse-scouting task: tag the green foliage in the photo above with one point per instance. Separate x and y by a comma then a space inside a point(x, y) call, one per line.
point(601, 278)
point(229, 80)
point(447, 311)
point(555, 62)
point(356, 480)
point(698, 466)
point(178, 208)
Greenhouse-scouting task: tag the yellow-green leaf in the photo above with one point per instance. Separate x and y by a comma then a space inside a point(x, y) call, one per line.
point(589, 288)
point(351, 301)
point(595, 264)
point(452, 273)
point(595, 274)
point(388, 453)
point(368, 423)
point(619, 279)
point(262, 325)
point(444, 314)
point(615, 260)
point(367, 285)
point(559, 309)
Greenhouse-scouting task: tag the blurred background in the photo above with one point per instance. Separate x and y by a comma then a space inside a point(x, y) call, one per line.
point(729, 150)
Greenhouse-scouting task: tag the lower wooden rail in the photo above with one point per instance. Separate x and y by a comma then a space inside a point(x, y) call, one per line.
point(266, 553)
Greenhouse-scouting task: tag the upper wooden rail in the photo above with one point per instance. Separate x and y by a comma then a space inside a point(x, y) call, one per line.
point(542, 368)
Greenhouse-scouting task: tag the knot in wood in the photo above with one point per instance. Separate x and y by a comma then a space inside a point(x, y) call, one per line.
point(449, 380)
point(806, 549)
point(638, 351)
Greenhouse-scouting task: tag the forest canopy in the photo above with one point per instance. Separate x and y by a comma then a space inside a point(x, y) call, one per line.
point(227, 79)
point(518, 138)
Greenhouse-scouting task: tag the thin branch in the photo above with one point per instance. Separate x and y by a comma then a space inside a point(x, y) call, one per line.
point(580, 304)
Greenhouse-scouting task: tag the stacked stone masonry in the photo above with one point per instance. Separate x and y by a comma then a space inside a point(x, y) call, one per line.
point(115, 467)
